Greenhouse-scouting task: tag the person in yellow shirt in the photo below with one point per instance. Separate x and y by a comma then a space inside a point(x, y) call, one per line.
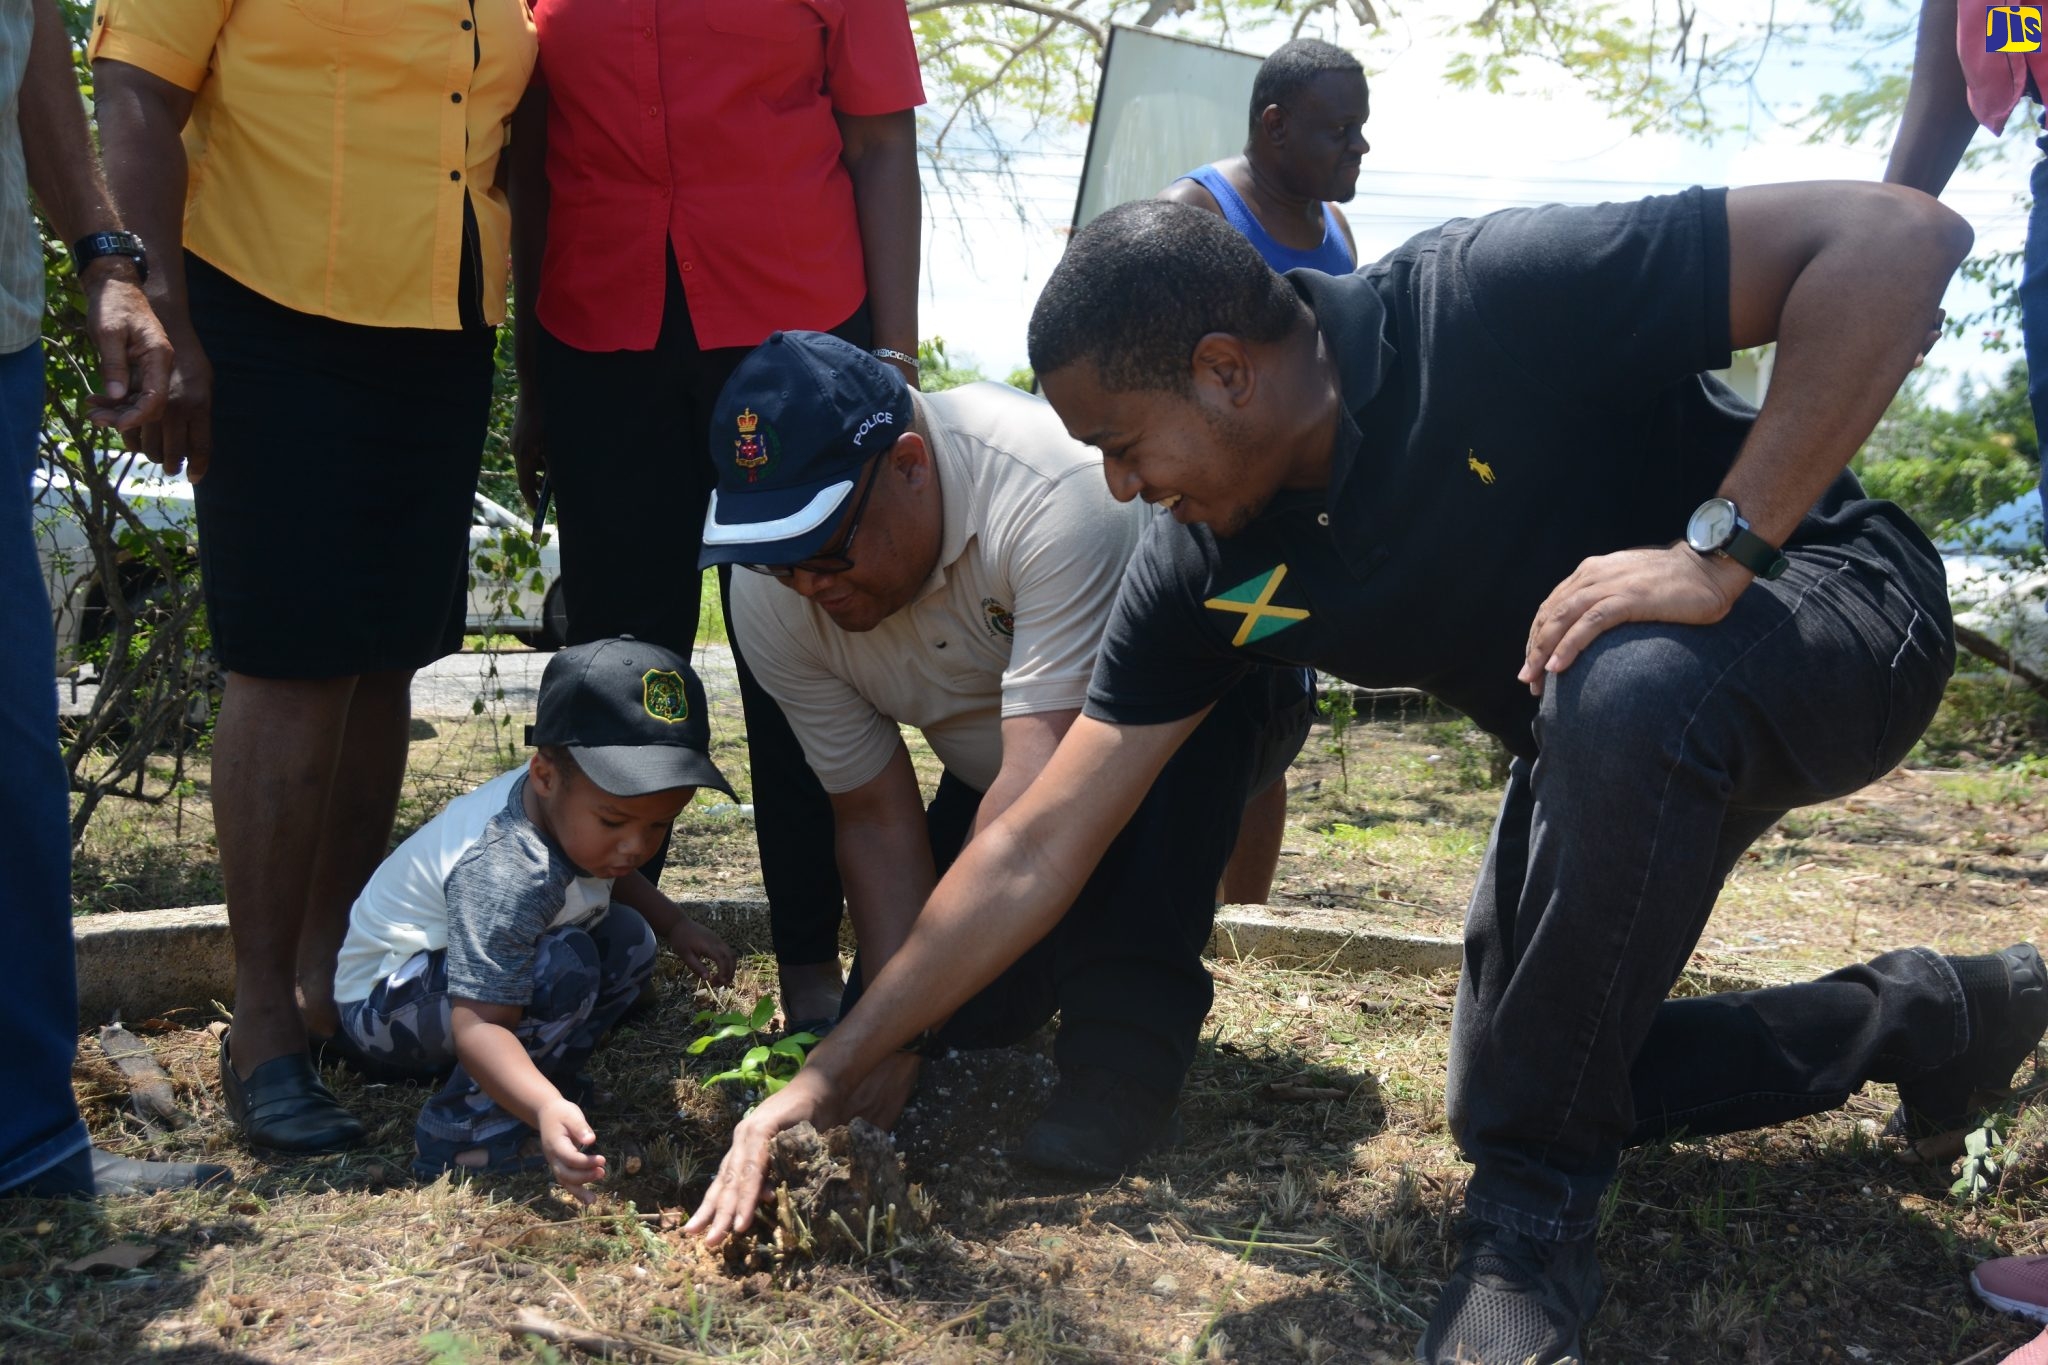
point(330, 169)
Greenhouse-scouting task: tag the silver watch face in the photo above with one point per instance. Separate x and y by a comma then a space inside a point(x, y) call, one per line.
point(1712, 525)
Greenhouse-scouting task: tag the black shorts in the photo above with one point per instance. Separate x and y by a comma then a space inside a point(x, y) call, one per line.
point(334, 518)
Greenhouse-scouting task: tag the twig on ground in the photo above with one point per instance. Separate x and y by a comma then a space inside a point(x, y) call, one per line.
point(1300, 1093)
point(567, 1293)
point(957, 1320)
point(533, 1322)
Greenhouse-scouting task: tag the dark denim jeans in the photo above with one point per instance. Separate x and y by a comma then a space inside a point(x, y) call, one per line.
point(1664, 752)
point(1124, 968)
point(39, 1124)
point(2034, 303)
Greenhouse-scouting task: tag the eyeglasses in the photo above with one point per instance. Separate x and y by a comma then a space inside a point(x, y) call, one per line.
point(841, 560)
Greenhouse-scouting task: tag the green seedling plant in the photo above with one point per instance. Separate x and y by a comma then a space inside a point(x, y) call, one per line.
point(765, 1066)
point(1983, 1159)
point(1340, 711)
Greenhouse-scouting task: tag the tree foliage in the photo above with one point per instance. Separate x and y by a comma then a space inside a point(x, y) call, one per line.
point(1667, 64)
point(1945, 465)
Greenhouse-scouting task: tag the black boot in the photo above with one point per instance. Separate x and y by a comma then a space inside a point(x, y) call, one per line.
point(1098, 1124)
point(2007, 998)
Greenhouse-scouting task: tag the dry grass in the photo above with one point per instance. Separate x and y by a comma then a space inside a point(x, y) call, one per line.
point(1280, 1231)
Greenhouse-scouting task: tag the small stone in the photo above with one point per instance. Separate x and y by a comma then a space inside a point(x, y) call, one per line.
point(1165, 1286)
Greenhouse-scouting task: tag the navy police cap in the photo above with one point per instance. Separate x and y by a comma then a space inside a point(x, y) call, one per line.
point(790, 433)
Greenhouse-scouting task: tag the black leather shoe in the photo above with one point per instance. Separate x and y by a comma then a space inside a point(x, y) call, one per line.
point(284, 1105)
point(1951, 1096)
point(119, 1175)
point(94, 1172)
point(1098, 1124)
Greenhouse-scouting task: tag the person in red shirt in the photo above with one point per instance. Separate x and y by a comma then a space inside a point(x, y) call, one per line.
point(687, 178)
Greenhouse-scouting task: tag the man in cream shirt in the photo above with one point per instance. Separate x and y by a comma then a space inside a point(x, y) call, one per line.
point(948, 562)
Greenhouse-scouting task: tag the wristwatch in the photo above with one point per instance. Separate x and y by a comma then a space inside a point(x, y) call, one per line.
point(1716, 527)
point(86, 250)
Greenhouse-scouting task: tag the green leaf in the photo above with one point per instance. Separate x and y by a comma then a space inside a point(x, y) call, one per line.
point(771, 1084)
point(755, 1056)
point(450, 1348)
point(764, 1010)
point(729, 1031)
point(789, 1047)
point(807, 1040)
point(734, 1075)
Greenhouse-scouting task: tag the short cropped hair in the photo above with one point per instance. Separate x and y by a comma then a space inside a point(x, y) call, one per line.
point(1291, 67)
point(561, 756)
point(1141, 284)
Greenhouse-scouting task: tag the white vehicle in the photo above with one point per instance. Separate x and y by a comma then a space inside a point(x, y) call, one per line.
point(78, 600)
point(538, 618)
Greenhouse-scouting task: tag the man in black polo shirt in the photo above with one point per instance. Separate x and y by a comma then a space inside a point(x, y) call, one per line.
point(1444, 472)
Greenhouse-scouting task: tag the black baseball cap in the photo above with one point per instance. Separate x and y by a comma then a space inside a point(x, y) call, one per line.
point(799, 418)
point(631, 713)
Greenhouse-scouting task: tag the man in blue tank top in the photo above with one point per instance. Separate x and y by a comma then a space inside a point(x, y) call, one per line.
point(1309, 106)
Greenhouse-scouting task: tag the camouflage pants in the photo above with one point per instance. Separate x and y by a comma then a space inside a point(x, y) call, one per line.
point(584, 977)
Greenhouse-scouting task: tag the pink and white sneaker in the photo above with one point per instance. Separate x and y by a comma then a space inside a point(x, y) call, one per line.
point(2034, 1352)
point(2016, 1284)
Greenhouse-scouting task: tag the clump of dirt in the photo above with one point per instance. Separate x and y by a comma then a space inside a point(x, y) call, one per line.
point(840, 1193)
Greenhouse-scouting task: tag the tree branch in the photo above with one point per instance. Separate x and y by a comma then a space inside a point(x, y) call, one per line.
point(1066, 16)
point(1984, 647)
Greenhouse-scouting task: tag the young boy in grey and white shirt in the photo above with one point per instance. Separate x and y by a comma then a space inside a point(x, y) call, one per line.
point(512, 930)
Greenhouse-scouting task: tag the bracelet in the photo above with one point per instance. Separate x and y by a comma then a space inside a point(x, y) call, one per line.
point(884, 353)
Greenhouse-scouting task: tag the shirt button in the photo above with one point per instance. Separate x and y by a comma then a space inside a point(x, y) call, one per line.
point(455, 98)
point(1322, 518)
point(455, 175)
point(689, 265)
point(647, 32)
point(466, 25)
point(654, 111)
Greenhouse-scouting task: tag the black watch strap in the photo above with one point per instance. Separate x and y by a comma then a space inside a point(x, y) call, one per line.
point(86, 250)
point(1754, 553)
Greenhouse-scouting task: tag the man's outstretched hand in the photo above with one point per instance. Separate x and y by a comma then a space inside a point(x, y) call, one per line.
point(742, 1182)
point(1675, 583)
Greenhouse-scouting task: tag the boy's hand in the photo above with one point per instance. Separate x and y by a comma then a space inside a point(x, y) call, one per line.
point(702, 951)
point(564, 1133)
